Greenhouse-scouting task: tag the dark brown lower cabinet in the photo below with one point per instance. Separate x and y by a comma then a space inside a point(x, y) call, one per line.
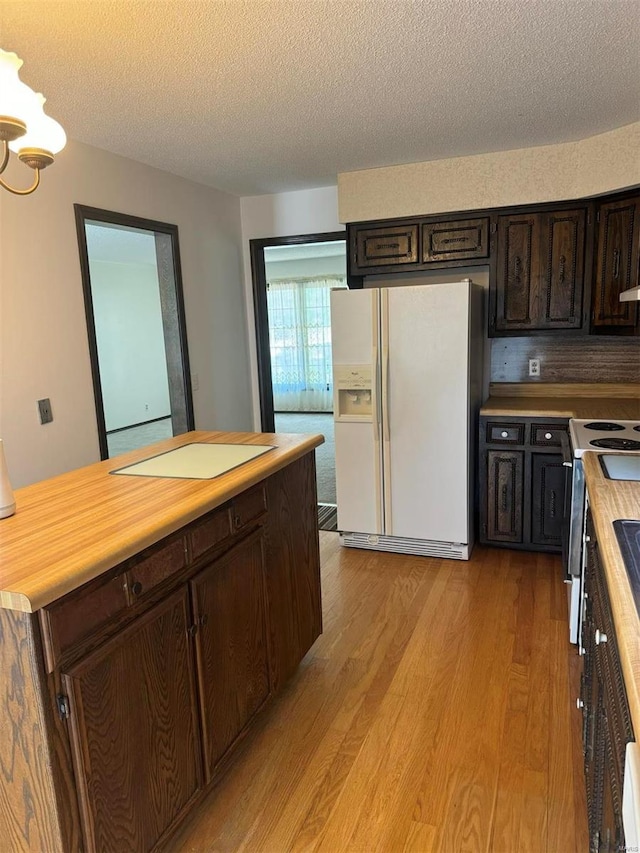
point(134, 730)
point(231, 644)
point(606, 718)
point(521, 482)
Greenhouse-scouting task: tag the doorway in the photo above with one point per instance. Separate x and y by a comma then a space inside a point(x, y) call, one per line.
point(292, 280)
point(135, 321)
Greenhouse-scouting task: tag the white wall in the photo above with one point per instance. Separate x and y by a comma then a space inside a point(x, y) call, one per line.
point(130, 340)
point(281, 215)
point(43, 343)
point(311, 267)
point(592, 166)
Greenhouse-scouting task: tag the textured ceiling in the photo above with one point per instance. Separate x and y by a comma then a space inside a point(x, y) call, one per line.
point(260, 96)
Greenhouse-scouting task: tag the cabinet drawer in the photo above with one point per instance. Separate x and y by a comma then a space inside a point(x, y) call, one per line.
point(79, 614)
point(498, 433)
point(451, 241)
point(214, 529)
point(248, 507)
point(547, 436)
point(380, 247)
point(156, 567)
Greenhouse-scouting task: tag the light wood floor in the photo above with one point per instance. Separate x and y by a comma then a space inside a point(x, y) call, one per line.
point(436, 713)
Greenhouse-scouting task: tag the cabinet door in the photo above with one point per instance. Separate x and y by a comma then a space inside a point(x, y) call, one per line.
point(134, 730)
point(547, 499)
point(562, 270)
point(231, 645)
point(518, 273)
point(616, 263)
point(455, 241)
point(504, 495)
point(610, 833)
point(388, 245)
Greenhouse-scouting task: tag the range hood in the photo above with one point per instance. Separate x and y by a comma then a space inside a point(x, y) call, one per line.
point(631, 295)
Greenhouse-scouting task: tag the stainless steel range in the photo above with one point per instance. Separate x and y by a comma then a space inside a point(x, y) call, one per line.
point(598, 435)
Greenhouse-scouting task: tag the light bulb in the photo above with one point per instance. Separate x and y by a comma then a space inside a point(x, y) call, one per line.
point(43, 132)
point(17, 100)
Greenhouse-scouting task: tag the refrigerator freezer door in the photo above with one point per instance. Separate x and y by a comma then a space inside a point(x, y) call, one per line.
point(354, 341)
point(426, 416)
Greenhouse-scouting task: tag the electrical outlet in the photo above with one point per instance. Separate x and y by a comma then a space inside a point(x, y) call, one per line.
point(44, 407)
point(195, 382)
point(534, 367)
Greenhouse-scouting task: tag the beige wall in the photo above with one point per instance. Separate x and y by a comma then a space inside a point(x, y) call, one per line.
point(281, 215)
point(599, 164)
point(43, 345)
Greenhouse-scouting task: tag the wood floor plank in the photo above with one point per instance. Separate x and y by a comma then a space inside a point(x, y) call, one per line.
point(434, 715)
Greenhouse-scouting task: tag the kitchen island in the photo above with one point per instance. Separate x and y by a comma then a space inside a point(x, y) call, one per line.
point(144, 622)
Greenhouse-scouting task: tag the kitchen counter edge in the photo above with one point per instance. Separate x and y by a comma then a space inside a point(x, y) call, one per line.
point(608, 402)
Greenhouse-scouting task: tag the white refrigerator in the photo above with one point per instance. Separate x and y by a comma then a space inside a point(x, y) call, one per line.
point(407, 374)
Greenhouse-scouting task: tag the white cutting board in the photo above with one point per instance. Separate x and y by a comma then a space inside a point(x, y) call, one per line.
point(195, 461)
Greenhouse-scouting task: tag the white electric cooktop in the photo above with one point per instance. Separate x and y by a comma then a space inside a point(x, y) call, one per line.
point(195, 461)
point(616, 436)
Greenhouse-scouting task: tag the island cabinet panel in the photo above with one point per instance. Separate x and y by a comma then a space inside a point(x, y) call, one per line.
point(231, 645)
point(38, 809)
point(618, 247)
point(540, 271)
point(134, 730)
point(293, 567)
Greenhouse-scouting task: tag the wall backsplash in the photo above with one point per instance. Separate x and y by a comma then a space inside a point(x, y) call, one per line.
point(576, 359)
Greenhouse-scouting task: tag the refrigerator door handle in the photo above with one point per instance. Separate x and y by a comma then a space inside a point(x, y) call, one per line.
point(384, 393)
point(376, 401)
point(384, 384)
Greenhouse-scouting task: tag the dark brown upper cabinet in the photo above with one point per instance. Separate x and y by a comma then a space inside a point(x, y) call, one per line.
point(539, 279)
point(423, 243)
point(616, 264)
point(454, 241)
point(386, 246)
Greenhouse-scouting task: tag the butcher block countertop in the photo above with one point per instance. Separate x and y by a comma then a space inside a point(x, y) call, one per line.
point(611, 500)
point(539, 400)
point(71, 528)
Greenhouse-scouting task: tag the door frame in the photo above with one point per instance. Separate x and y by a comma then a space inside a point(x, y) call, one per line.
point(173, 317)
point(261, 316)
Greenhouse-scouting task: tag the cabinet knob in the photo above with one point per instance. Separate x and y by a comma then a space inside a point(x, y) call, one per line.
point(203, 619)
point(136, 588)
point(579, 704)
point(192, 630)
point(237, 522)
point(587, 539)
point(600, 637)
point(504, 433)
point(548, 435)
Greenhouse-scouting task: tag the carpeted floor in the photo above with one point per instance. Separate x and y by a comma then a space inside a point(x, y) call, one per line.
point(316, 422)
point(138, 436)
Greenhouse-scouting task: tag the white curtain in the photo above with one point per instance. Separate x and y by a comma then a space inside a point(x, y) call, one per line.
point(300, 342)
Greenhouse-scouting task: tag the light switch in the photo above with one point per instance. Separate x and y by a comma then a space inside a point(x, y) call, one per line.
point(44, 407)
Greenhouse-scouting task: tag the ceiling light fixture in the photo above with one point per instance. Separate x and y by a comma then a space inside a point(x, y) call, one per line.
point(25, 129)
